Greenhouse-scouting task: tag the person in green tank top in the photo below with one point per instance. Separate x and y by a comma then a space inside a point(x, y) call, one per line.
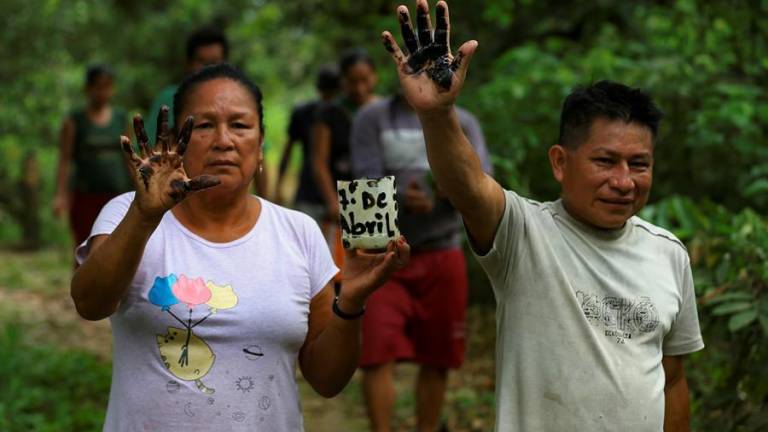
point(91, 169)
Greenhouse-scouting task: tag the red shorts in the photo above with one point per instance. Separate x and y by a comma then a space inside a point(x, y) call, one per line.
point(419, 315)
point(84, 209)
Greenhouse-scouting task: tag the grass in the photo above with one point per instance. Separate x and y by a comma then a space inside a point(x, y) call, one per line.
point(46, 388)
point(46, 272)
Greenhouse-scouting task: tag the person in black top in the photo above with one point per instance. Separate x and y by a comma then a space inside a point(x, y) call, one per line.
point(308, 198)
point(333, 125)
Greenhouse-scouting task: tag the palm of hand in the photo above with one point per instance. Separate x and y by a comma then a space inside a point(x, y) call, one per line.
point(158, 173)
point(360, 268)
point(363, 272)
point(430, 76)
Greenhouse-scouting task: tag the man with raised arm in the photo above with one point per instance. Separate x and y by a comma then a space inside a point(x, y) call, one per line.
point(595, 307)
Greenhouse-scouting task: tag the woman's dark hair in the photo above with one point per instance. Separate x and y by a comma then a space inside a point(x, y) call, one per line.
point(352, 57)
point(95, 71)
point(327, 78)
point(205, 36)
point(608, 99)
point(212, 72)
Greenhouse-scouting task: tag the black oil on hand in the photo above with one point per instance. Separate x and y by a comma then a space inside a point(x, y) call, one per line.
point(164, 157)
point(428, 54)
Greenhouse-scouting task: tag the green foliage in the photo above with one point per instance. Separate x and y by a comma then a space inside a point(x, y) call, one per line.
point(47, 389)
point(704, 62)
point(728, 253)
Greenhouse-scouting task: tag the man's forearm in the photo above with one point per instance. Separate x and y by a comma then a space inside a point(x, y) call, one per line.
point(677, 412)
point(453, 161)
point(101, 282)
point(455, 165)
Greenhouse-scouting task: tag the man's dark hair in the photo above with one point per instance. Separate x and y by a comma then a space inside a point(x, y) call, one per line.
point(205, 36)
point(95, 71)
point(606, 99)
point(352, 57)
point(212, 72)
point(327, 78)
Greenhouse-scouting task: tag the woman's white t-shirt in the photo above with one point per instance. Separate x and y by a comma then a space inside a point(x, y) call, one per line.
point(208, 335)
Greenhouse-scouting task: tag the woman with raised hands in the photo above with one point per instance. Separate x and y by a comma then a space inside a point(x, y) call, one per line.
point(213, 293)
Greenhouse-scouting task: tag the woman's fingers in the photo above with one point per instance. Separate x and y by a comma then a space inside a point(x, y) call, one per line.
point(376, 268)
point(138, 169)
point(350, 254)
point(141, 135)
point(184, 135)
point(162, 137)
point(180, 188)
point(402, 252)
point(125, 143)
point(201, 182)
point(396, 257)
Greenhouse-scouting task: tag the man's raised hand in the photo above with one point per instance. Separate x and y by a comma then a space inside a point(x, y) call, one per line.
point(430, 76)
point(158, 174)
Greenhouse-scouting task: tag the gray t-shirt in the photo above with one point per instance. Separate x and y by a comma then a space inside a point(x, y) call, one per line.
point(387, 139)
point(584, 317)
point(208, 335)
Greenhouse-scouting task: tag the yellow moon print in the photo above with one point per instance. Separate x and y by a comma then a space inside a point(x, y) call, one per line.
point(198, 356)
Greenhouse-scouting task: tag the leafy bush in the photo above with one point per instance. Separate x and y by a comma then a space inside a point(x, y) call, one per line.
point(46, 389)
point(729, 254)
point(705, 63)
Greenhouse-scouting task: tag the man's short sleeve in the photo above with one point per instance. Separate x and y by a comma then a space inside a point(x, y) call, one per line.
point(109, 218)
point(498, 261)
point(685, 335)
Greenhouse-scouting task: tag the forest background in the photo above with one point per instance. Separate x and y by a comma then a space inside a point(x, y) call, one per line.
point(705, 62)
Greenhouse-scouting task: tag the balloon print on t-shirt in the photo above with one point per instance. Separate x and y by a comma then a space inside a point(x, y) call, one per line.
point(184, 354)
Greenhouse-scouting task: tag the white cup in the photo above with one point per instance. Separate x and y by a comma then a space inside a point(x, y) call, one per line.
point(368, 212)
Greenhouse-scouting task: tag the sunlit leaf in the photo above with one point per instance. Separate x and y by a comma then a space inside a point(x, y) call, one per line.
point(742, 319)
point(730, 296)
point(729, 308)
